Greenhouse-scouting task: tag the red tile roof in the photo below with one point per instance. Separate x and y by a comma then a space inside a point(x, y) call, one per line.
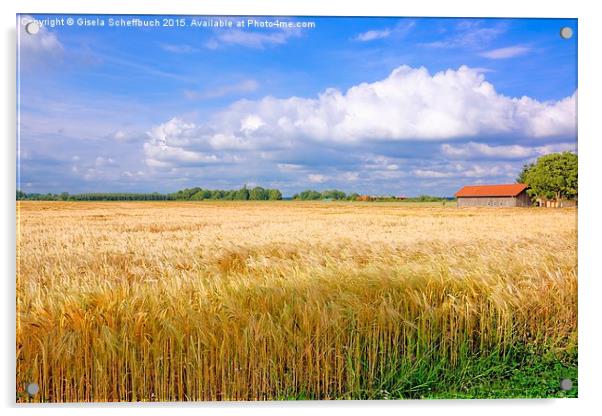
point(512, 189)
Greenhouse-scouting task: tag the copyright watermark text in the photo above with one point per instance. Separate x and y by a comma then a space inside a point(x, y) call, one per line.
point(162, 21)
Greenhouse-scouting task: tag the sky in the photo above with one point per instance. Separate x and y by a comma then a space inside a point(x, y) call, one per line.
point(395, 106)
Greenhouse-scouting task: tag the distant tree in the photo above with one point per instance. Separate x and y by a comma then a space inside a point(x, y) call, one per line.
point(553, 176)
point(199, 196)
point(21, 195)
point(218, 194)
point(425, 198)
point(205, 194)
point(309, 195)
point(333, 194)
point(242, 194)
point(186, 194)
point(258, 194)
point(274, 194)
point(353, 196)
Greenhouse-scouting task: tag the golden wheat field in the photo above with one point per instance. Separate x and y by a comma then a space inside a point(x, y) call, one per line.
point(153, 301)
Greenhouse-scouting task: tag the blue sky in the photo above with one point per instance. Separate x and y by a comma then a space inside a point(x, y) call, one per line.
point(403, 106)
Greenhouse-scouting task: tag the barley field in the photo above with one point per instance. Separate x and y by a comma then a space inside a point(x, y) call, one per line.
point(156, 301)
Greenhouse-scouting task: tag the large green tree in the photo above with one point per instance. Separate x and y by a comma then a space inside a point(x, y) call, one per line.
point(553, 176)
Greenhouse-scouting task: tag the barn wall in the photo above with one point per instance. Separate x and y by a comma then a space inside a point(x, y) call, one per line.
point(495, 201)
point(523, 200)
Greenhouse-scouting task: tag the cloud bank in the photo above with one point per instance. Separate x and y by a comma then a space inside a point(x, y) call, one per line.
point(409, 105)
point(472, 150)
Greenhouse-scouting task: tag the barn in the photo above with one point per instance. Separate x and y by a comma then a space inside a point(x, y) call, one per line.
point(505, 195)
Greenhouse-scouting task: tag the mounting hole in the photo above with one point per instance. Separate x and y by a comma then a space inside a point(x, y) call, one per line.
point(566, 384)
point(32, 27)
point(566, 32)
point(32, 389)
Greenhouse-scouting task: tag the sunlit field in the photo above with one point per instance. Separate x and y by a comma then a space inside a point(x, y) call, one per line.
point(145, 301)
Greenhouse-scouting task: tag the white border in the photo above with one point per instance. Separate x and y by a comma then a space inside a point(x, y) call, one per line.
point(590, 244)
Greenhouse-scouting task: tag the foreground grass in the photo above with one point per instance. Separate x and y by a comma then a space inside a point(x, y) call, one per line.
point(251, 301)
point(527, 375)
point(524, 374)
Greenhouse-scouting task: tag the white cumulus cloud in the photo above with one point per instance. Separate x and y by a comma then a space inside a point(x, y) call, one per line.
point(410, 104)
point(251, 123)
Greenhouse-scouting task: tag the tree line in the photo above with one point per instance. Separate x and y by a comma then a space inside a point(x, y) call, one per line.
point(199, 194)
point(337, 195)
point(189, 194)
point(243, 194)
point(94, 196)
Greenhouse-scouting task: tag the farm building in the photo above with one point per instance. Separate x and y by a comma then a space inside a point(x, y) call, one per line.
point(507, 195)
